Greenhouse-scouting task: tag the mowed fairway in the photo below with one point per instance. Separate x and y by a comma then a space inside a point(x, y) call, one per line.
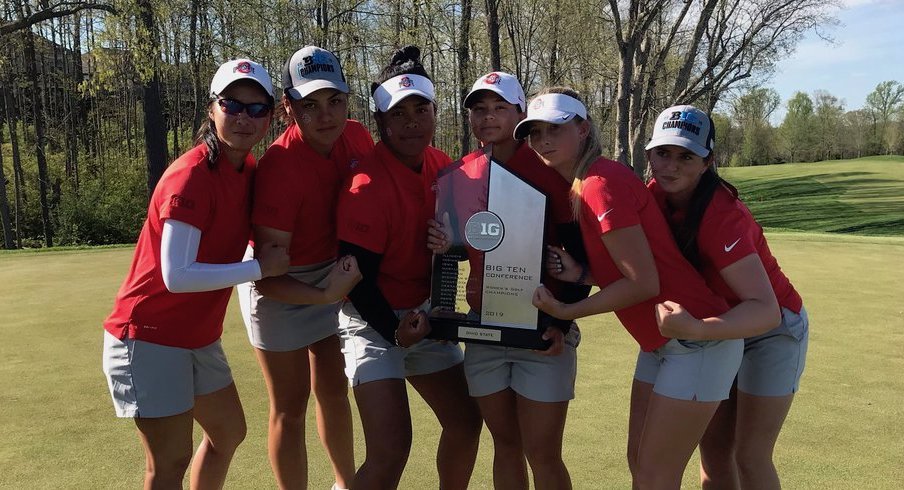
point(863, 196)
point(58, 429)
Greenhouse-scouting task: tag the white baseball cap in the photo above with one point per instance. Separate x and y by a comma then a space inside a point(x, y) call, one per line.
point(503, 84)
point(241, 69)
point(684, 126)
point(394, 90)
point(550, 108)
point(311, 69)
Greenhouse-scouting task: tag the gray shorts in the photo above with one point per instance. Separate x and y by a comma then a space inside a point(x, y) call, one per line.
point(691, 370)
point(491, 368)
point(370, 357)
point(279, 327)
point(150, 380)
point(774, 361)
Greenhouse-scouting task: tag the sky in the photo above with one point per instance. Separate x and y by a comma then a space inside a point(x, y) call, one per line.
point(868, 48)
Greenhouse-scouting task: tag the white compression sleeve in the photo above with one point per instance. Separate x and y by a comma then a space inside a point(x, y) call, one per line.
point(183, 274)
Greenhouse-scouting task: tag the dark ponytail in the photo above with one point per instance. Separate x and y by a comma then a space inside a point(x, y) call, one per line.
point(404, 61)
point(686, 232)
point(207, 134)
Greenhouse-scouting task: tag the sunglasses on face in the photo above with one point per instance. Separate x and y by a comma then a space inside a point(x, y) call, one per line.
point(255, 109)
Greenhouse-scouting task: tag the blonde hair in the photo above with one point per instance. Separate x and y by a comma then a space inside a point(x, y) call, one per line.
point(590, 151)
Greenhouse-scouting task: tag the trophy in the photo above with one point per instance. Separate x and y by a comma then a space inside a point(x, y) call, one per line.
point(482, 285)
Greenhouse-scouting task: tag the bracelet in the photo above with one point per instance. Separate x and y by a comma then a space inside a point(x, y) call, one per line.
point(395, 335)
point(583, 275)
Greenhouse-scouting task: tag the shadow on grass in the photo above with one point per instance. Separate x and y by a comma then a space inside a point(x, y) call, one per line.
point(841, 202)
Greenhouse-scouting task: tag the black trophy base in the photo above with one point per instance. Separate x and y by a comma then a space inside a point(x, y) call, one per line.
point(463, 330)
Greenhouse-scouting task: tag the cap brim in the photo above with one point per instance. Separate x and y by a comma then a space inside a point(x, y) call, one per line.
point(216, 91)
point(305, 89)
point(691, 145)
point(549, 116)
point(404, 94)
point(471, 98)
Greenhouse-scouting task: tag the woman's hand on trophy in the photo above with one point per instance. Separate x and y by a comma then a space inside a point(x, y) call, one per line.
point(546, 302)
point(437, 239)
point(558, 342)
point(413, 327)
point(562, 266)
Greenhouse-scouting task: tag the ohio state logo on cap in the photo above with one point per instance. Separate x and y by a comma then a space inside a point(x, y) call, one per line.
point(243, 67)
point(405, 82)
point(492, 79)
point(537, 104)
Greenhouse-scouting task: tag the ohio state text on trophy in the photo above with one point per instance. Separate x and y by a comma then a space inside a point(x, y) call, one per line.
point(483, 283)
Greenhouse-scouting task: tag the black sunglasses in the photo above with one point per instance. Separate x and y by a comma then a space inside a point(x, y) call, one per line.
point(255, 110)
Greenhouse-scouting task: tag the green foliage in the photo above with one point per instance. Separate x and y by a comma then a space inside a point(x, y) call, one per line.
point(728, 139)
point(104, 213)
point(797, 130)
point(103, 109)
point(751, 111)
point(886, 103)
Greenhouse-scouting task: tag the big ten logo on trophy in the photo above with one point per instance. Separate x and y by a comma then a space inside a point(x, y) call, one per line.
point(484, 231)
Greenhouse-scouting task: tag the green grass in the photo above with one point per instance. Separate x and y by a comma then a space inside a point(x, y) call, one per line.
point(58, 430)
point(864, 196)
point(844, 431)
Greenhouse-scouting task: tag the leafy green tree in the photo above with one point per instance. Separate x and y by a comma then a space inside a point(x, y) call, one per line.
point(751, 112)
point(858, 125)
point(728, 139)
point(886, 102)
point(797, 129)
point(828, 112)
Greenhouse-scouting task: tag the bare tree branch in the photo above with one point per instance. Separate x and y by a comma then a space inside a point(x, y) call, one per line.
point(54, 11)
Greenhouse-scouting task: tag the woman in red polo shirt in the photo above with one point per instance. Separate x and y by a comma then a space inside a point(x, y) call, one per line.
point(523, 394)
point(162, 355)
point(382, 221)
point(717, 234)
point(632, 257)
point(292, 319)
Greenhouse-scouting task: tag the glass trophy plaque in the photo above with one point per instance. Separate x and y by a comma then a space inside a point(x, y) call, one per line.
point(482, 285)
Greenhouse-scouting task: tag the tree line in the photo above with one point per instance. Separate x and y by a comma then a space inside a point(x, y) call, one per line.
point(98, 96)
point(816, 126)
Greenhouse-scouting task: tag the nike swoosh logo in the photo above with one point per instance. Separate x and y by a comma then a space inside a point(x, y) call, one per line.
point(601, 216)
point(729, 247)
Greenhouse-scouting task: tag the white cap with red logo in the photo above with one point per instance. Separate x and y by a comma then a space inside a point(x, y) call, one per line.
point(503, 84)
point(394, 90)
point(552, 108)
point(241, 69)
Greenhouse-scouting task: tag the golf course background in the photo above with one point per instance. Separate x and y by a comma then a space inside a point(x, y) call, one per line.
point(837, 229)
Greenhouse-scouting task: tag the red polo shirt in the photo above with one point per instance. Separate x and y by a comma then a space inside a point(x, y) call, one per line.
point(385, 210)
point(728, 233)
point(613, 198)
point(296, 190)
point(214, 201)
